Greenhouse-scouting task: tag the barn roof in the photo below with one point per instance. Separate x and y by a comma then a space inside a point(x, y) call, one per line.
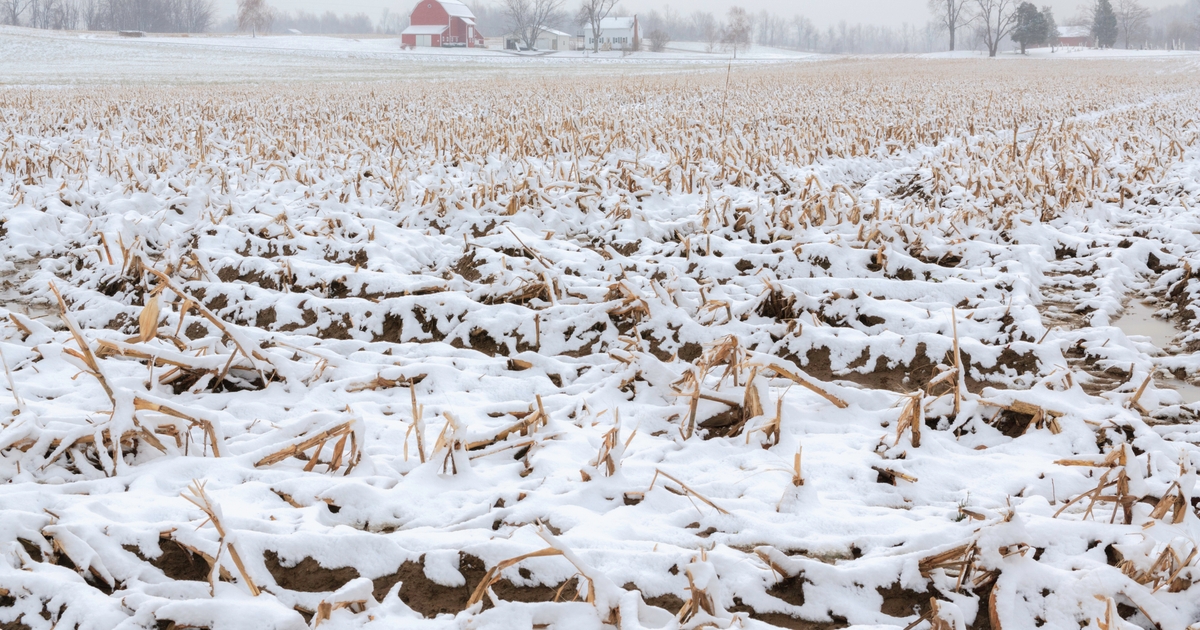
point(456, 8)
point(425, 29)
point(1074, 31)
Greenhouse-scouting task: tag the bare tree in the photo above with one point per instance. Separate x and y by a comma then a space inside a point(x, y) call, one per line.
point(706, 26)
point(12, 10)
point(1131, 19)
point(659, 38)
point(951, 15)
point(738, 29)
point(254, 16)
point(92, 14)
point(59, 15)
point(996, 18)
point(591, 12)
point(528, 18)
point(195, 16)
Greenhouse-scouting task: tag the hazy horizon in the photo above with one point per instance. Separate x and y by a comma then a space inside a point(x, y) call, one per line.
point(878, 12)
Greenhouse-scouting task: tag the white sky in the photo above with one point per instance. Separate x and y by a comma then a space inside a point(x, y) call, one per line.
point(823, 12)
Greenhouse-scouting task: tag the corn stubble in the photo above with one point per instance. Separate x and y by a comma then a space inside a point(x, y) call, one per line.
point(1000, 151)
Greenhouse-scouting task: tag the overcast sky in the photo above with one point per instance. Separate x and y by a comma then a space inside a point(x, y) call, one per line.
point(822, 12)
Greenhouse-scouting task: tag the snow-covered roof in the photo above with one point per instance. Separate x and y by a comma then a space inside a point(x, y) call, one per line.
point(431, 29)
point(1074, 31)
point(456, 8)
point(617, 22)
point(543, 33)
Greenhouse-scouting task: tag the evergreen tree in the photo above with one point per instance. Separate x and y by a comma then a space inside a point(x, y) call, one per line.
point(1051, 27)
point(1031, 26)
point(1104, 28)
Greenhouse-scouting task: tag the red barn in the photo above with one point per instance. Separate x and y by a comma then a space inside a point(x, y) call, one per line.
point(1075, 36)
point(441, 23)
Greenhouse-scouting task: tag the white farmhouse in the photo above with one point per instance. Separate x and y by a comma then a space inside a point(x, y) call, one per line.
point(616, 33)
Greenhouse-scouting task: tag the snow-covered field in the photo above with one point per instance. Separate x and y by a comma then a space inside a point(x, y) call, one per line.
point(35, 57)
point(1072, 53)
point(808, 345)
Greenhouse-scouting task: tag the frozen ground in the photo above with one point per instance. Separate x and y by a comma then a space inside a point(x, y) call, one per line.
point(808, 345)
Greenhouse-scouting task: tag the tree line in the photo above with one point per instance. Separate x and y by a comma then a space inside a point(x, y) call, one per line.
point(179, 16)
point(1127, 22)
point(950, 24)
point(185, 16)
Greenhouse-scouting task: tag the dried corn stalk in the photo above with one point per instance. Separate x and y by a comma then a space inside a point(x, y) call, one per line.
point(200, 499)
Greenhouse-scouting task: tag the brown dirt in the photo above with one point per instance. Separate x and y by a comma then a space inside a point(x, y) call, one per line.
point(338, 329)
point(33, 550)
point(179, 563)
point(627, 248)
point(727, 423)
point(780, 620)
point(1178, 295)
point(13, 625)
point(196, 330)
point(265, 318)
point(790, 589)
point(428, 324)
point(431, 599)
point(308, 576)
point(468, 267)
point(357, 257)
point(393, 328)
point(309, 318)
point(915, 375)
point(669, 602)
point(900, 378)
point(690, 351)
point(481, 341)
point(1008, 359)
point(1013, 424)
point(902, 602)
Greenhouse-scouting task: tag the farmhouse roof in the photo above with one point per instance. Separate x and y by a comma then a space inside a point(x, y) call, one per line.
point(617, 22)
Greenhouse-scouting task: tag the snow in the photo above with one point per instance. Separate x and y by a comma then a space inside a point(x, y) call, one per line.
point(455, 8)
point(424, 30)
point(398, 336)
point(35, 57)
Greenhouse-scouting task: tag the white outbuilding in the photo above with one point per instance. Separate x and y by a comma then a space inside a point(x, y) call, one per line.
point(548, 39)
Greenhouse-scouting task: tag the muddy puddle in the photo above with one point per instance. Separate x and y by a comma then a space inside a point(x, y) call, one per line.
point(12, 300)
point(1138, 320)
